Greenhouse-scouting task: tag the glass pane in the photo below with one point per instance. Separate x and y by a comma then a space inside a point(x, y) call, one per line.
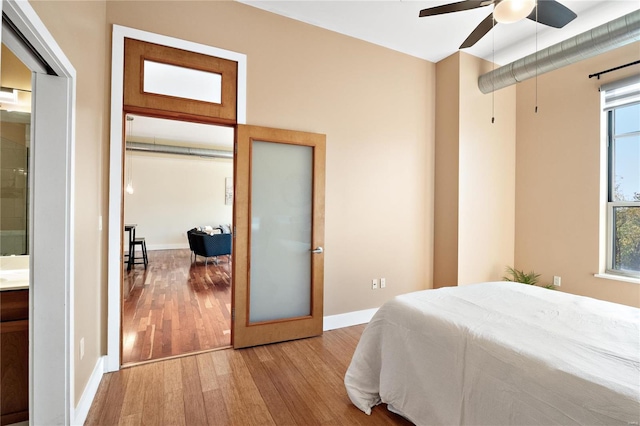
point(626, 168)
point(181, 82)
point(281, 207)
point(627, 119)
point(626, 239)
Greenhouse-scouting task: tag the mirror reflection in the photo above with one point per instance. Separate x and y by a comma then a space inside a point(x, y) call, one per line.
point(15, 125)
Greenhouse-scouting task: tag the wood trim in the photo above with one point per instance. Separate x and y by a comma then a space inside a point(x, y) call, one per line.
point(240, 253)
point(17, 417)
point(14, 370)
point(15, 305)
point(13, 326)
point(259, 323)
point(178, 116)
point(137, 51)
point(136, 101)
point(250, 334)
point(317, 261)
point(121, 231)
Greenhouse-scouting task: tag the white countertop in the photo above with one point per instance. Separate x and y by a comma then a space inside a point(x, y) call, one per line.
point(14, 273)
point(14, 279)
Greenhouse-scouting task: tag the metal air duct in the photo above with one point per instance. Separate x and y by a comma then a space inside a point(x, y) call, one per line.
point(178, 150)
point(603, 38)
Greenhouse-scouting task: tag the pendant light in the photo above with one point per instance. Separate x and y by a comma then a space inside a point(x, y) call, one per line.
point(129, 165)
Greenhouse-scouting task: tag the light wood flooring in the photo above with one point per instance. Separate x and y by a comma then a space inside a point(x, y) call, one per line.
point(292, 383)
point(175, 306)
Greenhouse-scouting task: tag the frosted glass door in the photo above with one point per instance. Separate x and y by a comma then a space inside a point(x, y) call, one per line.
point(278, 253)
point(281, 182)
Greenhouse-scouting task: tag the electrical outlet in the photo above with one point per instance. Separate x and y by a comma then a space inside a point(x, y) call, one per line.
point(383, 282)
point(557, 281)
point(374, 284)
point(82, 348)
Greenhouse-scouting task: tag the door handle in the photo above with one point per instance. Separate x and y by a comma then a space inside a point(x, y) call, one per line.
point(318, 250)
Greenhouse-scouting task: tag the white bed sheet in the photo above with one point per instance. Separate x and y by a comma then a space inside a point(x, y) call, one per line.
point(500, 353)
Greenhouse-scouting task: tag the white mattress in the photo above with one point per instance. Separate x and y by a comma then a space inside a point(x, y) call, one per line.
point(500, 353)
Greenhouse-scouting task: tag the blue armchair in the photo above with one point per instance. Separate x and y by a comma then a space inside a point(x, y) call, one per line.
point(205, 245)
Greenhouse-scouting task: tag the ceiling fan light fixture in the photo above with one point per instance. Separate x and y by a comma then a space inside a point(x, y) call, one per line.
point(508, 11)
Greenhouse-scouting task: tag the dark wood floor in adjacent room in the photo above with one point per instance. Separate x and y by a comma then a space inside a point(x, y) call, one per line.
point(176, 307)
point(291, 383)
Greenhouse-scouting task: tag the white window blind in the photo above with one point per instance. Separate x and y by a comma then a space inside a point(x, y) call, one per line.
point(621, 92)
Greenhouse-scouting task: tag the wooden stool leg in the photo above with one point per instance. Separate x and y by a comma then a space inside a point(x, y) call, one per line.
point(132, 256)
point(144, 254)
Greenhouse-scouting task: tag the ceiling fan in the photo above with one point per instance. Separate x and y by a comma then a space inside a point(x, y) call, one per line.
point(549, 12)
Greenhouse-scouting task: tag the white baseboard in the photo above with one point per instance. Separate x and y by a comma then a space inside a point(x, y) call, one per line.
point(348, 319)
point(152, 247)
point(82, 409)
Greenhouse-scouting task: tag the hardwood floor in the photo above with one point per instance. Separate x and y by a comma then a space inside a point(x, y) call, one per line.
point(292, 383)
point(175, 307)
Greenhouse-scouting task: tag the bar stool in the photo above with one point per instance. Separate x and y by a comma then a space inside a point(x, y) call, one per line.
point(131, 230)
point(143, 245)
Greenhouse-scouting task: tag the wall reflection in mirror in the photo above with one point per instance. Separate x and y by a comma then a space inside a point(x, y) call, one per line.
point(15, 132)
point(14, 192)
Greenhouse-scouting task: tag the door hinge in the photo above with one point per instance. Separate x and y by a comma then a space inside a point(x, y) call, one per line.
point(234, 231)
point(235, 148)
point(233, 314)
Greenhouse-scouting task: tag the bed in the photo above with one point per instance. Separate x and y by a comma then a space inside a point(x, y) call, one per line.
point(500, 353)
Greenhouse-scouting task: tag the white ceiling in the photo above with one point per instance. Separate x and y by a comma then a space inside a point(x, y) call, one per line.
point(395, 24)
point(179, 133)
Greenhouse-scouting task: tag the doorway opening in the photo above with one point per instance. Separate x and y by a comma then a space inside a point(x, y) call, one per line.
point(135, 56)
point(178, 209)
point(117, 154)
point(50, 206)
point(15, 144)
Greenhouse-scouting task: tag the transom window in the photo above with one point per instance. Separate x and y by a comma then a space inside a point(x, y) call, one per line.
point(622, 109)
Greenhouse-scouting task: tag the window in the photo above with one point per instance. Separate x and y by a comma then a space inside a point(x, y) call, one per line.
point(622, 110)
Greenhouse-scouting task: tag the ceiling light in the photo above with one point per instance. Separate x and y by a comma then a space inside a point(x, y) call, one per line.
point(129, 164)
point(508, 11)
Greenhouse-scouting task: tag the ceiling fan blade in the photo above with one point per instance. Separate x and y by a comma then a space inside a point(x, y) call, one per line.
point(552, 13)
point(481, 30)
point(454, 7)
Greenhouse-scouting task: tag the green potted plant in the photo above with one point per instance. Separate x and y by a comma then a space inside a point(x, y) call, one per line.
point(518, 276)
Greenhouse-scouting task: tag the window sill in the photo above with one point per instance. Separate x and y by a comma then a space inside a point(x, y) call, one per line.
point(618, 278)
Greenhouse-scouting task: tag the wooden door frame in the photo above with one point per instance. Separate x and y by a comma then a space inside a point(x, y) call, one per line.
point(114, 268)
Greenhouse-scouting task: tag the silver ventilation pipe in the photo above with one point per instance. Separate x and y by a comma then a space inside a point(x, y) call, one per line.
point(178, 150)
point(603, 38)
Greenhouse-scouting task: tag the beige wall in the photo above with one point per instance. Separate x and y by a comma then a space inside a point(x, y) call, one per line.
point(447, 154)
point(475, 175)
point(487, 176)
point(376, 107)
point(78, 27)
point(558, 213)
point(174, 193)
point(14, 74)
